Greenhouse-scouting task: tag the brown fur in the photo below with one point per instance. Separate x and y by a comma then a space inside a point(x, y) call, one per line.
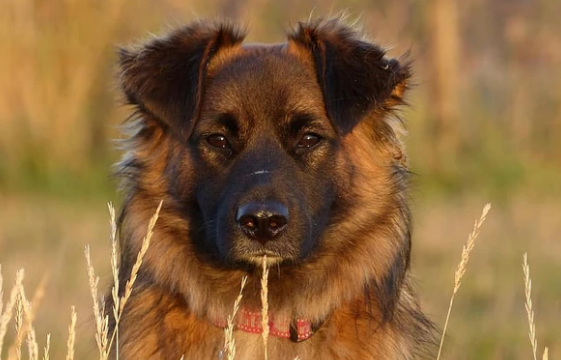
point(353, 284)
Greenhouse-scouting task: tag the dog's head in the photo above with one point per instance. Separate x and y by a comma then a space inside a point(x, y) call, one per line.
point(250, 137)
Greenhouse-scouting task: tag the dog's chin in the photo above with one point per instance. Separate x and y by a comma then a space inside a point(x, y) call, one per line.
point(270, 259)
point(244, 252)
point(255, 257)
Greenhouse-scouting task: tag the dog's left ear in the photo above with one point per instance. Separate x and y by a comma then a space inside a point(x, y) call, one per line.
point(353, 74)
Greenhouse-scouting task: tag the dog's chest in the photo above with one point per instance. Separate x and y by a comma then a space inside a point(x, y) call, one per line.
point(250, 347)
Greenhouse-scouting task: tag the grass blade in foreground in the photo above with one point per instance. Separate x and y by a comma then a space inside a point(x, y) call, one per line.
point(47, 347)
point(530, 310)
point(71, 336)
point(134, 272)
point(229, 341)
point(265, 304)
point(102, 320)
point(115, 270)
point(460, 271)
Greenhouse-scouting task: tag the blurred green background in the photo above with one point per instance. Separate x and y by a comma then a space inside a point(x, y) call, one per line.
point(484, 126)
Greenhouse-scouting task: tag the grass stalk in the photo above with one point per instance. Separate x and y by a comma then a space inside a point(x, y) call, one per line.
point(24, 317)
point(47, 348)
point(15, 349)
point(229, 341)
point(134, 272)
point(10, 305)
point(265, 305)
point(71, 335)
point(1, 292)
point(115, 271)
point(462, 266)
point(529, 309)
point(101, 321)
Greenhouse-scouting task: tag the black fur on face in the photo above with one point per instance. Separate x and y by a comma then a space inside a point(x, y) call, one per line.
point(276, 147)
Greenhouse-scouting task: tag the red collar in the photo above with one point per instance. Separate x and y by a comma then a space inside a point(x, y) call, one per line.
point(250, 321)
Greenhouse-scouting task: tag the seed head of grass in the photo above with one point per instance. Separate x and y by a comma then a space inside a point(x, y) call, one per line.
point(468, 247)
point(71, 335)
point(47, 348)
point(101, 321)
point(136, 267)
point(529, 309)
point(15, 349)
point(229, 341)
point(6, 316)
point(24, 316)
point(461, 270)
point(115, 251)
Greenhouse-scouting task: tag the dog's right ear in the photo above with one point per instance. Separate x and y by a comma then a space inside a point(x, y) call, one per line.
point(165, 77)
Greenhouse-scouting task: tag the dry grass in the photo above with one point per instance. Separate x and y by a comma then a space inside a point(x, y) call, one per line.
point(265, 305)
point(528, 305)
point(530, 310)
point(101, 322)
point(47, 347)
point(6, 316)
point(229, 341)
point(114, 269)
point(22, 311)
point(103, 341)
point(461, 270)
point(134, 272)
point(71, 336)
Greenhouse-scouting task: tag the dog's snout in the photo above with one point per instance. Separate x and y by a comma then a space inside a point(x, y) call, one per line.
point(262, 221)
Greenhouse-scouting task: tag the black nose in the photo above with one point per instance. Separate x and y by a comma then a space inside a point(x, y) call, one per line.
point(262, 221)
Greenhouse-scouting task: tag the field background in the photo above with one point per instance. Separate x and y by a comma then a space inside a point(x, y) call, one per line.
point(484, 121)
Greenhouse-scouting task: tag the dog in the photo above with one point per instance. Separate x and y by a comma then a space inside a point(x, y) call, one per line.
point(286, 152)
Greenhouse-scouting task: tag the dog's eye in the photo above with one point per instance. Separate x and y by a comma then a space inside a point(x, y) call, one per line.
point(218, 141)
point(308, 141)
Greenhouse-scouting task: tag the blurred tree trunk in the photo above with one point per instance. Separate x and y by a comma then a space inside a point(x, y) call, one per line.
point(519, 119)
point(444, 60)
point(231, 9)
point(518, 45)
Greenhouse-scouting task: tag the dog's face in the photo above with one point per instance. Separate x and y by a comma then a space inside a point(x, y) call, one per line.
point(254, 132)
point(265, 148)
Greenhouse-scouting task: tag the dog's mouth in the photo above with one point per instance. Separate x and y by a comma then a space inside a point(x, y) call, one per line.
point(271, 257)
point(244, 252)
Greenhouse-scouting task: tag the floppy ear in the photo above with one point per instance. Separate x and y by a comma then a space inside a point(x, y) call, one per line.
point(354, 75)
point(165, 77)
